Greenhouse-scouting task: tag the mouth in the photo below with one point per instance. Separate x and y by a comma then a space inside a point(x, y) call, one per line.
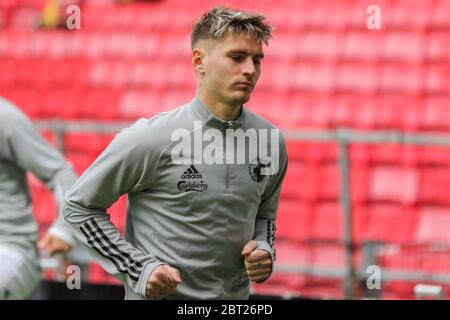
point(245, 85)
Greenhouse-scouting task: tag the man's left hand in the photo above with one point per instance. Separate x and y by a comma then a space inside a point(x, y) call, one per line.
point(257, 262)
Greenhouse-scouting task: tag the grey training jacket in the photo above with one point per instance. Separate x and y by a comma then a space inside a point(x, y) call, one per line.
point(195, 217)
point(23, 149)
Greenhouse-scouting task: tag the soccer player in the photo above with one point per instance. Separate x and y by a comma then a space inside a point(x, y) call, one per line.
point(199, 230)
point(23, 149)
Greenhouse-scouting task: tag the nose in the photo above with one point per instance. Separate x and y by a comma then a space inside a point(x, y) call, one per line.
point(248, 67)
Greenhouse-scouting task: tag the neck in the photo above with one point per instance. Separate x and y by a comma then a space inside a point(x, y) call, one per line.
point(221, 110)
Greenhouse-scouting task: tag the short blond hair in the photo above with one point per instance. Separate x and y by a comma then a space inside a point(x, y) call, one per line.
point(219, 21)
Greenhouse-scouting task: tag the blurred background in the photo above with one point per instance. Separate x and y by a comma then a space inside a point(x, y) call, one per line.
point(366, 114)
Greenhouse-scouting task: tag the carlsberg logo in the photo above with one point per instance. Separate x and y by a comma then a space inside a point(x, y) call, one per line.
point(192, 186)
point(237, 146)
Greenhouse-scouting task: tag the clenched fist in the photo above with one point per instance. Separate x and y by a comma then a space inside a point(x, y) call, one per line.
point(257, 262)
point(162, 282)
point(53, 244)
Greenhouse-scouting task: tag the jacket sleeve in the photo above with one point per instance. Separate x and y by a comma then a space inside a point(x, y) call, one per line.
point(127, 165)
point(31, 152)
point(267, 212)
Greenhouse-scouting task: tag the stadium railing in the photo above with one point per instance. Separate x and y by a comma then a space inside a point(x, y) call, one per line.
point(344, 137)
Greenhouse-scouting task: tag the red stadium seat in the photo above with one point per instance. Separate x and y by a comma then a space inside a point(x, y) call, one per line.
point(434, 156)
point(328, 256)
point(394, 185)
point(281, 284)
point(300, 183)
point(315, 45)
point(391, 223)
point(28, 101)
point(398, 290)
point(312, 152)
point(357, 77)
point(170, 99)
point(439, 46)
point(60, 103)
point(434, 186)
point(330, 180)
point(359, 183)
point(68, 73)
point(138, 103)
point(328, 222)
point(401, 78)
point(403, 46)
point(394, 155)
point(293, 253)
point(361, 45)
point(289, 254)
point(439, 19)
point(398, 258)
point(315, 76)
point(359, 154)
point(436, 116)
point(294, 221)
point(91, 144)
point(360, 218)
point(437, 261)
point(99, 104)
point(322, 288)
point(80, 161)
point(412, 15)
point(98, 275)
point(438, 79)
point(433, 225)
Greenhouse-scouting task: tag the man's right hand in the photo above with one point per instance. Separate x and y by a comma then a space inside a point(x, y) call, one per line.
point(162, 282)
point(53, 244)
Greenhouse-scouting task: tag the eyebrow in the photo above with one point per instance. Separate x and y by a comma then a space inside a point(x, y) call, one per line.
point(259, 55)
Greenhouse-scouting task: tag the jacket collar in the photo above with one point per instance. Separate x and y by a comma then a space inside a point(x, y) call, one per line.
point(210, 120)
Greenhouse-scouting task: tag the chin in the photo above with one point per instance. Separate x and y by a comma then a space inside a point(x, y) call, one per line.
point(240, 99)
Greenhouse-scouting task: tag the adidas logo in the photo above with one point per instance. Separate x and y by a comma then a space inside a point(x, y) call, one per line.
point(194, 185)
point(191, 173)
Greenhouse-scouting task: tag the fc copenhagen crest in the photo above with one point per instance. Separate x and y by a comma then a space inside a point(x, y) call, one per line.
point(254, 170)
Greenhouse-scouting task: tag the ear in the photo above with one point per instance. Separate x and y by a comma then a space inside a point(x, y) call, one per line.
point(198, 56)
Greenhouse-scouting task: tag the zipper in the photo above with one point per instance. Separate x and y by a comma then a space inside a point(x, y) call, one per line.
point(227, 184)
point(227, 176)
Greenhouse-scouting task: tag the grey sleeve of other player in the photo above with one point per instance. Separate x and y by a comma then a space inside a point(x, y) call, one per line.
point(31, 152)
point(126, 165)
point(267, 211)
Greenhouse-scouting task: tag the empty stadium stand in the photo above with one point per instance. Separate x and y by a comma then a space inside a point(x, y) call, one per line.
point(323, 70)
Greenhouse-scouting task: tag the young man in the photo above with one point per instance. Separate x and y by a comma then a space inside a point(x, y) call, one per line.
point(23, 149)
point(194, 230)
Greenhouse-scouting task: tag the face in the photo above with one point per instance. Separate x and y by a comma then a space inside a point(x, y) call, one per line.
point(229, 67)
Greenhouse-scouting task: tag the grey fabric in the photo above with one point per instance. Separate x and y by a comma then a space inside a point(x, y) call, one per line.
point(23, 149)
point(200, 232)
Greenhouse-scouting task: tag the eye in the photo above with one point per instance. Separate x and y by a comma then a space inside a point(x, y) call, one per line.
point(237, 58)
